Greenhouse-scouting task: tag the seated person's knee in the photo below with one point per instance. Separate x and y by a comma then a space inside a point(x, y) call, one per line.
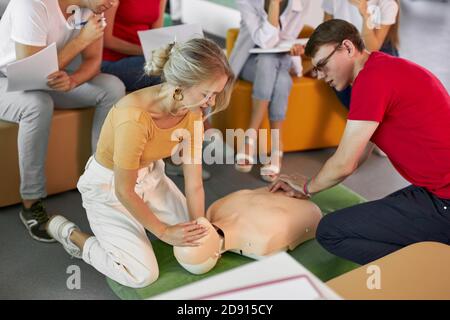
point(114, 87)
point(268, 61)
point(40, 104)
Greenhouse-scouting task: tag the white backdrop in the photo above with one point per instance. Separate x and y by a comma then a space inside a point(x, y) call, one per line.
point(217, 19)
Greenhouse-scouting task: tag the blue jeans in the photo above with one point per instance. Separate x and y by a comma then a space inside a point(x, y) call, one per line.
point(269, 73)
point(131, 71)
point(369, 231)
point(345, 95)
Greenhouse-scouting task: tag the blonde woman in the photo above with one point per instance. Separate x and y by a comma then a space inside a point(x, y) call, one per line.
point(124, 189)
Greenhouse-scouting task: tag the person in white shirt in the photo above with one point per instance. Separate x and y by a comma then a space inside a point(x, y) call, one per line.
point(265, 23)
point(76, 26)
point(376, 20)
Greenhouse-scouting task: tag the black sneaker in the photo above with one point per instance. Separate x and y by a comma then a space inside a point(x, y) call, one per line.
point(34, 220)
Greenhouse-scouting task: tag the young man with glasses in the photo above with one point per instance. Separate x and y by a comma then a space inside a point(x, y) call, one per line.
point(405, 110)
point(376, 20)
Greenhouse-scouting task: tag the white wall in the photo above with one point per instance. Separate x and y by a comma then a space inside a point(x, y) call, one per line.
point(315, 16)
point(213, 18)
point(217, 19)
point(3, 4)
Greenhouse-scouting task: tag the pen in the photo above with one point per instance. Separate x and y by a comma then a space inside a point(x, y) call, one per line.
point(85, 22)
point(81, 24)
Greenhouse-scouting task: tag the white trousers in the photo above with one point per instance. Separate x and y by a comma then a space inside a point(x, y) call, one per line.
point(120, 248)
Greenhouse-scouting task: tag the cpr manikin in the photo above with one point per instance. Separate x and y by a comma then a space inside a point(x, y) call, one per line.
point(255, 223)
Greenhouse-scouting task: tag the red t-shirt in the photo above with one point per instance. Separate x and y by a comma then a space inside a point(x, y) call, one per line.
point(132, 16)
point(413, 109)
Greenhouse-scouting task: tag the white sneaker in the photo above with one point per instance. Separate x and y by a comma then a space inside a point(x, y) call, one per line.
point(60, 229)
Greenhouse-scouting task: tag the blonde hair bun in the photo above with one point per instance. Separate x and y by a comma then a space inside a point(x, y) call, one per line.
point(159, 59)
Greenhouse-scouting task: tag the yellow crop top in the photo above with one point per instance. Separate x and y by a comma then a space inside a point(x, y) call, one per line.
point(131, 140)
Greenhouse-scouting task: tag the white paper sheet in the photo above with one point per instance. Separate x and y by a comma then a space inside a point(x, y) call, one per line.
point(156, 38)
point(299, 287)
point(31, 73)
point(273, 278)
point(283, 46)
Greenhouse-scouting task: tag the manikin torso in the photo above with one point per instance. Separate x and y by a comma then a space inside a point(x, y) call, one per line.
point(258, 222)
point(255, 223)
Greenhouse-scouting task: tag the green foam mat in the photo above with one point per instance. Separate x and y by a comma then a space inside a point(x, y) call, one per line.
point(310, 254)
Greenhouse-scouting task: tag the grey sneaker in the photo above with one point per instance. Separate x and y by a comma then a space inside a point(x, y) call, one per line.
point(34, 219)
point(60, 229)
point(174, 170)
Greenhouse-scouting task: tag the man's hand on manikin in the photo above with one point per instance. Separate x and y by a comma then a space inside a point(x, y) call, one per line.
point(291, 185)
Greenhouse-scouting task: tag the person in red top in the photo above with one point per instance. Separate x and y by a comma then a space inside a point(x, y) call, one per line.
point(405, 110)
point(122, 54)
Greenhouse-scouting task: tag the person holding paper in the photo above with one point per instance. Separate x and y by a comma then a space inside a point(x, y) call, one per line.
point(405, 110)
point(122, 53)
point(265, 23)
point(26, 28)
point(124, 188)
point(377, 21)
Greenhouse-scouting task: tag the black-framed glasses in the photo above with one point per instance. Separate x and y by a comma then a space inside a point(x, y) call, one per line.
point(321, 65)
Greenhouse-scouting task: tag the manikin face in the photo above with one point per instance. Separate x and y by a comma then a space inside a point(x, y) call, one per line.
point(201, 259)
point(335, 64)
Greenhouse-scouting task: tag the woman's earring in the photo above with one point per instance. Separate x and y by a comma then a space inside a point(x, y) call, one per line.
point(178, 95)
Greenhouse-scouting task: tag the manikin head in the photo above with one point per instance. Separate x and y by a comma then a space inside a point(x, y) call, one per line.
point(334, 48)
point(201, 259)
